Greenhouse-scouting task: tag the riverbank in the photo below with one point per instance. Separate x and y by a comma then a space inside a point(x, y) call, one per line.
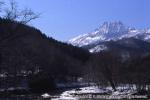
point(79, 93)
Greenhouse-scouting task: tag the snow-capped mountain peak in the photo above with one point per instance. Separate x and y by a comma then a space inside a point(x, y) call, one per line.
point(112, 27)
point(109, 31)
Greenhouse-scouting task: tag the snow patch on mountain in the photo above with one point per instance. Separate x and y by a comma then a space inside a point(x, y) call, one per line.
point(81, 41)
point(98, 48)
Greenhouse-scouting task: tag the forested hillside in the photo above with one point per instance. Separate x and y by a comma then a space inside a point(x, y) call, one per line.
point(26, 51)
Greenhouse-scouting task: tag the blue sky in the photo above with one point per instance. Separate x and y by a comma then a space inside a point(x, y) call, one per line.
point(65, 19)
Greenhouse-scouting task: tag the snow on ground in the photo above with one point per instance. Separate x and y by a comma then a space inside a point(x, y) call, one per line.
point(69, 95)
point(46, 95)
point(72, 94)
point(125, 90)
point(91, 89)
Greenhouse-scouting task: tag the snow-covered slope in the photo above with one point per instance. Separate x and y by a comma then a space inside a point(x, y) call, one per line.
point(109, 31)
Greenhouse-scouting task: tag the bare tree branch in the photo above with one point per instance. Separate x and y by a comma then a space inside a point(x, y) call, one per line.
point(28, 15)
point(12, 12)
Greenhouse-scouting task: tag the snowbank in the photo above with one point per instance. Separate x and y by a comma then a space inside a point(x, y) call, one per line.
point(94, 90)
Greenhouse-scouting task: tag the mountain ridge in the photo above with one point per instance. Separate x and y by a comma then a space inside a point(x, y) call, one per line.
point(110, 31)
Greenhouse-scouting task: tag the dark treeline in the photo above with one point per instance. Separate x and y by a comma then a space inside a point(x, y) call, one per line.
point(111, 68)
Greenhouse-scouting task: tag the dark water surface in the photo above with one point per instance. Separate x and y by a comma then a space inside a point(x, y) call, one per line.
point(35, 97)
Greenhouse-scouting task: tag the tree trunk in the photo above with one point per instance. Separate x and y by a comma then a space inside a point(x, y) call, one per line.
point(112, 85)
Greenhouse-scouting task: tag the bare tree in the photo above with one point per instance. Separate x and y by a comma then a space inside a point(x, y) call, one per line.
point(13, 13)
point(105, 66)
point(24, 16)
